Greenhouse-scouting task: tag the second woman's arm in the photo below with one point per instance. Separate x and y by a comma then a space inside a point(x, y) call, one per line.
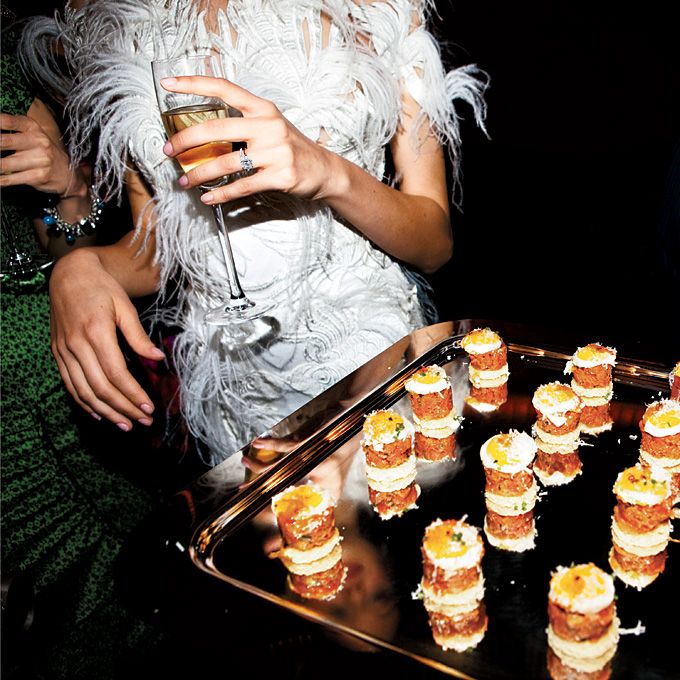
point(90, 293)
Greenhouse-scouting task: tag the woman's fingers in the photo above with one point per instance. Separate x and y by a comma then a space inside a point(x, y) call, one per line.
point(230, 93)
point(105, 385)
point(221, 129)
point(273, 444)
point(285, 159)
point(68, 383)
point(85, 395)
point(95, 370)
point(24, 168)
point(15, 123)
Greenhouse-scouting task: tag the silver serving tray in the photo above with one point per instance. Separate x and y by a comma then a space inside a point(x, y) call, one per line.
point(234, 528)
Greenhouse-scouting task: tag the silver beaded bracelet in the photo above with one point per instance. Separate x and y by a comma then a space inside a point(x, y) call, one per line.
point(83, 227)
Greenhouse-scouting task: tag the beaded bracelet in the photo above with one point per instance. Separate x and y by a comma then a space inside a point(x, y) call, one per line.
point(83, 227)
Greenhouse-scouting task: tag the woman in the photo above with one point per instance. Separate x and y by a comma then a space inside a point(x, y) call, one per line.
point(325, 87)
point(66, 505)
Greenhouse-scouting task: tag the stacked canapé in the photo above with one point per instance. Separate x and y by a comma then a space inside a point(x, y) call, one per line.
point(311, 550)
point(674, 382)
point(641, 525)
point(556, 433)
point(591, 378)
point(488, 369)
point(390, 463)
point(452, 586)
point(660, 441)
point(434, 416)
point(583, 630)
point(510, 491)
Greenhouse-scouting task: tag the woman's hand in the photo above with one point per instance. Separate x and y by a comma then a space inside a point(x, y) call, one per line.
point(88, 305)
point(38, 157)
point(284, 159)
point(411, 223)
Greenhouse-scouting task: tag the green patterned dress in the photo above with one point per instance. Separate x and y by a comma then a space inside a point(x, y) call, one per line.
point(67, 507)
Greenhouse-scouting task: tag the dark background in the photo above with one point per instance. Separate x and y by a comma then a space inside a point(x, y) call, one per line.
point(569, 216)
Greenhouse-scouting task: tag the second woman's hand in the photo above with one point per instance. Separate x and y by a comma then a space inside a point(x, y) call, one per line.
point(37, 156)
point(283, 158)
point(85, 345)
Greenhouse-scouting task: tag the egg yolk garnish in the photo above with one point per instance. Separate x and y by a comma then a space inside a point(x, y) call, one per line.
point(592, 352)
point(445, 540)
point(481, 336)
point(297, 500)
point(499, 448)
point(383, 423)
point(640, 478)
point(427, 376)
point(585, 580)
point(665, 418)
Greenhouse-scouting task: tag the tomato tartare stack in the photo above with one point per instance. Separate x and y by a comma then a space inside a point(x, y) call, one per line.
point(556, 433)
point(583, 629)
point(452, 586)
point(660, 442)
point(434, 416)
point(674, 381)
point(591, 378)
point(510, 491)
point(390, 463)
point(488, 369)
point(311, 550)
point(641, 525)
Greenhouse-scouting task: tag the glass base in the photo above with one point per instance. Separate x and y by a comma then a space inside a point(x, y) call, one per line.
point(236, 313)
point(243, 324)
point(255, 335)
point(21, 266)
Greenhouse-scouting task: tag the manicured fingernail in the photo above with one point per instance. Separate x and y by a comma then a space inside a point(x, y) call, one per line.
point(158, 353)
point(96, 416)
point(168, 81)
point(167, 149)
point(145, 421)
point(147, 408)
point(124, 426)
point(208, 198)
point(183, 180)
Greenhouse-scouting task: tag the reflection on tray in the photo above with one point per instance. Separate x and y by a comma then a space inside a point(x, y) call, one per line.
point(383, 557)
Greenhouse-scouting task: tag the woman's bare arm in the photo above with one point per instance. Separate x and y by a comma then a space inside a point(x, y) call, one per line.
point(90, 293)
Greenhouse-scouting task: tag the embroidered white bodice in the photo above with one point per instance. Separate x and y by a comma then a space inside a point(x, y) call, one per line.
point(337, 298)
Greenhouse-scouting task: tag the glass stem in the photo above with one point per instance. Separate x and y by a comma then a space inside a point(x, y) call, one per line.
point(235, 291)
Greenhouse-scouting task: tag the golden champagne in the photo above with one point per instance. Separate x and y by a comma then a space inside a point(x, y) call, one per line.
point(183, 117)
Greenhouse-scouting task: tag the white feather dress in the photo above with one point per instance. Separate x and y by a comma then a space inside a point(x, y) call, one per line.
point(338, 299)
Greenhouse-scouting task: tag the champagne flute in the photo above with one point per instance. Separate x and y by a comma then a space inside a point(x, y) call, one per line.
point(179, 111)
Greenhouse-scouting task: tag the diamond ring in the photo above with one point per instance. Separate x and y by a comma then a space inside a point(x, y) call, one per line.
point(245, 160)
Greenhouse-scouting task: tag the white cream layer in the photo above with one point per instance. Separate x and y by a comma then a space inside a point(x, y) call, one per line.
point(649, 488)
point(553, 400)
point(470, 543)
point(670, 413)
point(480, 341)
point(509, 453)
point(413, 384)
point(596, 591)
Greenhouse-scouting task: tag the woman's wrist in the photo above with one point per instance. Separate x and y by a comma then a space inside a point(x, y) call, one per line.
point(74, 216)
point(76, 188)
